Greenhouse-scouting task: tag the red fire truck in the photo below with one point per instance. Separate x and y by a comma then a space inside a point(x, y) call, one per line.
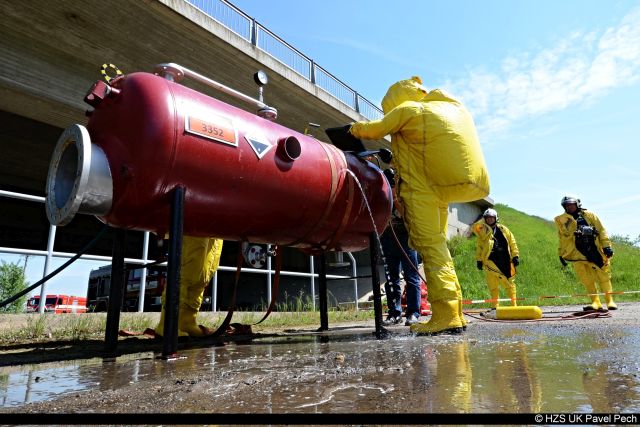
point(58, 304)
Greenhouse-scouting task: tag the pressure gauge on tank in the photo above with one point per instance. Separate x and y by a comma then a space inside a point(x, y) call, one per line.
point(261, 78)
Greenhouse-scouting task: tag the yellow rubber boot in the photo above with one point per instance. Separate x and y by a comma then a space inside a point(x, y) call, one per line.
point(159, 331)
point(459, 297)
point(586, 273)
point(160, 328)
point(495, 295)
point(200, 259)
point(444, 319)
point(511, 290)
point(595, 299)
point(188, 325)
point(493, 283)
point(461, 315)
point(608, 297)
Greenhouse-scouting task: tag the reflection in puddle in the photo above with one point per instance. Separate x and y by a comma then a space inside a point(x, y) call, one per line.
point(34, 383)
point(502, 370)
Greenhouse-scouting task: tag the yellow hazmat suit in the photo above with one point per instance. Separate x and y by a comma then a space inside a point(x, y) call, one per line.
point(588, 272)
point(200, 259)
point(438, 160)
point(495, 277)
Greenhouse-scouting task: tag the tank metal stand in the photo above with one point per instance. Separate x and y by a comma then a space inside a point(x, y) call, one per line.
point(381, 332)
point(116, 290)
point(322, 293)
point(172, 293)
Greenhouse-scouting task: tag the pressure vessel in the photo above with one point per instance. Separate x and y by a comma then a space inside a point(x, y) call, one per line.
point(246, 178)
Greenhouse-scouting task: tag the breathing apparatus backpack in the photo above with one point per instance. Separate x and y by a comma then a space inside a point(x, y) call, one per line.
point(585, 236)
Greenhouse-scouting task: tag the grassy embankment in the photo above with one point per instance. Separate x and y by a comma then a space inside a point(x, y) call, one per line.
point(540, 274)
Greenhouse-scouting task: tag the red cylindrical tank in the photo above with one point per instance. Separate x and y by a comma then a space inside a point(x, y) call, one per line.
point(246, 178)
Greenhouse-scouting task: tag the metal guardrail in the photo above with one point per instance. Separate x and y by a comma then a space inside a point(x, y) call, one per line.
point(248, 28)
point(283, 52)
point(49, 254)
point(228, 15)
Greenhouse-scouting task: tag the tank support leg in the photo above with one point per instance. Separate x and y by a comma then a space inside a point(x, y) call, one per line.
point(116, 289)
point(322, 293)
point(381, 332)
point(172, 296)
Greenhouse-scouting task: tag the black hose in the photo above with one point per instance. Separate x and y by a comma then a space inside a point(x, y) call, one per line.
point(58, 270)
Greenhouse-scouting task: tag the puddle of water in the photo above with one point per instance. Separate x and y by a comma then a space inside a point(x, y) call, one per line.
point(34, 383)
point(503, 370)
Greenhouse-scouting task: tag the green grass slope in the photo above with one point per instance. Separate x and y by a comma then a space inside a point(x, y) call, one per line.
point(540, 272)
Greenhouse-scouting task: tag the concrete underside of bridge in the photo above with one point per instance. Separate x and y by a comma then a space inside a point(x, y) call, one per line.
point(52, 53)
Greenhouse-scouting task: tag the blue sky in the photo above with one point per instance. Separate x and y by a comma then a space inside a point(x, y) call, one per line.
point(553, 87)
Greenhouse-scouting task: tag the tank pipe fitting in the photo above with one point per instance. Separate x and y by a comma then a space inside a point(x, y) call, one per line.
point(289, 148)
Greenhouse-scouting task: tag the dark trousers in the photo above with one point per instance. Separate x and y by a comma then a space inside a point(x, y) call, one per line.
point(395, 261)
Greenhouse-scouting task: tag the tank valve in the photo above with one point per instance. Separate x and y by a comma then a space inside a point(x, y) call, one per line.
point(254, 255)
point(98, 92)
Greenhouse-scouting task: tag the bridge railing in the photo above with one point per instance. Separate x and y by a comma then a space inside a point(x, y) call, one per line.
point(248, 28)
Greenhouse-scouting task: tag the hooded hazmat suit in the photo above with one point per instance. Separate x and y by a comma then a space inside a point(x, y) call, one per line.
point(438, 160)
point(504, 273)
point(200, 259)
point(591, 266)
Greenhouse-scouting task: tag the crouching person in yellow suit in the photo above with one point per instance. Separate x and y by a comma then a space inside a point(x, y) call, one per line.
point(497, 254)
point(438, 160)
point(200, 259)
point(585, 243)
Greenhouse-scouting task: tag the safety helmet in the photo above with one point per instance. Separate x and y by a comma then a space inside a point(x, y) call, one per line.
point(570, 198)
point(490, 212)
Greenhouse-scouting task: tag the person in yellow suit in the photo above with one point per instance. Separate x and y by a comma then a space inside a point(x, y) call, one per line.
point(438, 160)
point(585, 243)
point(200, 259)
point(497, 254)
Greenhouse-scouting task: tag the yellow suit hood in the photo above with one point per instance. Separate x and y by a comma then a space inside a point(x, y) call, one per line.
point(434, 142)
point(403, 91)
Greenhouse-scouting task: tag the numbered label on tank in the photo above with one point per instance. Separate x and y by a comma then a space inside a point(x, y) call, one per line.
point(213, 127)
